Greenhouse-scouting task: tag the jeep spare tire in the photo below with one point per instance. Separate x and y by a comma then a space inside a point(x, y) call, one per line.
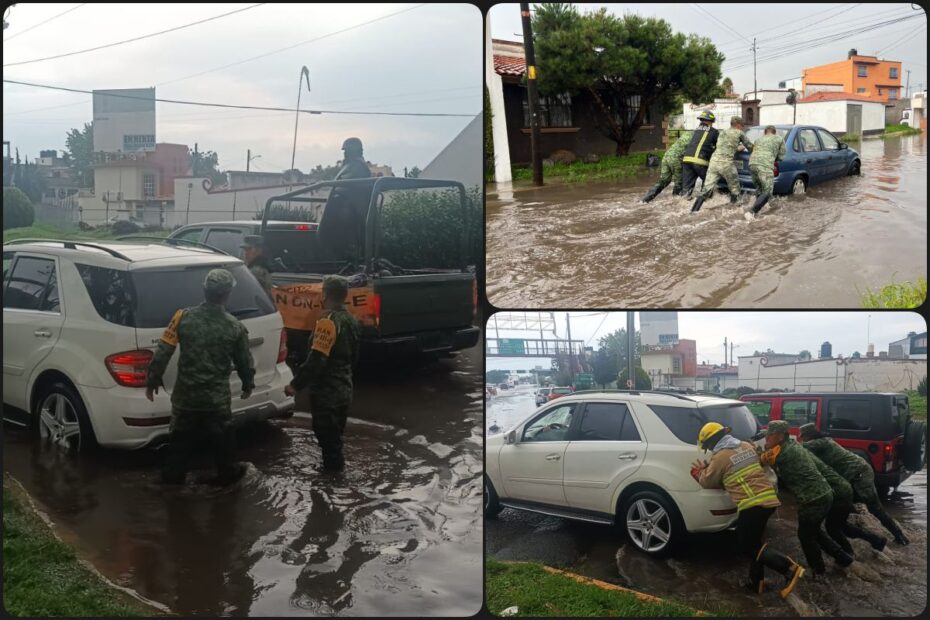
point(915, 446)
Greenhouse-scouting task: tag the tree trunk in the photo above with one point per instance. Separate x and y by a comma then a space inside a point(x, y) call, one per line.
point(615, 131)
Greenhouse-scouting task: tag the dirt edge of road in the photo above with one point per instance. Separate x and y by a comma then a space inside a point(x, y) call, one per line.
point(37, 525)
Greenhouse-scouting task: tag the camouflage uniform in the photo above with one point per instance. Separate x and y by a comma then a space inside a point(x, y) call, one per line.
point(211, 340)
point(765, 152)
point(260, 266)
point(327, 371)
point(342, 224)
point(721, 162)
point(670, 169)
point(797, 471)
point(855, 470)
point(837, 523)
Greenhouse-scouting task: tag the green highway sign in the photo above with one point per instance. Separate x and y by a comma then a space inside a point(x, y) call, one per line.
point(511, 346)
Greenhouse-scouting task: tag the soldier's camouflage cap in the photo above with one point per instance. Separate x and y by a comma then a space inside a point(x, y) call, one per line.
point(335, 284)
point(253, 241)
point(737, 119)
point(807, 430)
point(777, 426)
point(218, 281)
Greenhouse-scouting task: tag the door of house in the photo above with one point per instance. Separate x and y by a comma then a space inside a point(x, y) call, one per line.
point(853, 118)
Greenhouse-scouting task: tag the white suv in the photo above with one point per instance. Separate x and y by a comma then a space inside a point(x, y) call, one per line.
point(618, 458)
point(81, 322)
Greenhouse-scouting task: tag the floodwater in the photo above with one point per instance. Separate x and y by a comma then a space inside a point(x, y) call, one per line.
point(593, 246)
point(399, 533)
point(707, 571)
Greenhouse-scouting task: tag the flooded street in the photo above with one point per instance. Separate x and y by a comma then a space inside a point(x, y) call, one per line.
point(706, 572)
point(398, 534)
point(594, 246)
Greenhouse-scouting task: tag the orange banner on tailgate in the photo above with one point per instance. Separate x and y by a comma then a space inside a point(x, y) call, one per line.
point(302, 304)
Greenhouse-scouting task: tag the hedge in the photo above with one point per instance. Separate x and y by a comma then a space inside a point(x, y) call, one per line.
point(18, 211)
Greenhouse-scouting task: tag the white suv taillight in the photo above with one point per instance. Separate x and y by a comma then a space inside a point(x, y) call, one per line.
point(130, 367)
point(282, 347)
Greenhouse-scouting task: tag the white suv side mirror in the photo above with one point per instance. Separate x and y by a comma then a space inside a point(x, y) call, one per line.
point(511, 437)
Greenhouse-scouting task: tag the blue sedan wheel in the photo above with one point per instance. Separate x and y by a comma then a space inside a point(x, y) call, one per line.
point(799, 187)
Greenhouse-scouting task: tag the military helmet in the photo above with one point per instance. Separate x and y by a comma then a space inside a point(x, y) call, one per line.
point(708, 432)
point(219, 281)
point(336, 285)
point(777, 426)
point(807, 430)
point(352, 144)
point(707, 115)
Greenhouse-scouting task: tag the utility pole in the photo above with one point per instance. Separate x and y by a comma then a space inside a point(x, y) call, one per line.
point(907, 89)
point(571, 363)
point(630, 353)
point(725, 362)
point(755, 87)
point(532, 94)
point(249, 158)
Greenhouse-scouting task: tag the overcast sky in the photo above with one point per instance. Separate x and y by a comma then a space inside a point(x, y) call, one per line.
point(776, 24)
point(784, 332)
point(427, 59)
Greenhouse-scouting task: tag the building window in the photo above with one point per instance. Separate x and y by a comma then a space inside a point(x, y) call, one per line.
point(554, 111)
point(892, 93)
point(676, 365)
point(627, 108)
point(863, 70)
point(860, 90)
point(148, 186)
point(749, 117)
point(893, 73)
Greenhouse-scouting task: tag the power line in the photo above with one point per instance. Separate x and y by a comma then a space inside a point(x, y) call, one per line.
point(791, 24)
point(900, 41)
point(241, 107)
point(283, 49)
point(74, 8)
point(711, 15)
point(132, 40)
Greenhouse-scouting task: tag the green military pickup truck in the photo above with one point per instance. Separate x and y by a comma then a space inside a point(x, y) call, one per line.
point(403, 309)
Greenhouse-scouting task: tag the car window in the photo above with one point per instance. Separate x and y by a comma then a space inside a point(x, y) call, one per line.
point(830, 143)
point(161, 292)
point(192, 234)
point(799, 412)
point(849, 415)
point(51, 303)
point(226, 239)
point(754, 133)
point(7, 263)
point(111, 292)
point(29, 284)
point(552, 425)
point(685, 422)
point(606, 422)
point(806, 141)
point(562, 391)
point(761, 410)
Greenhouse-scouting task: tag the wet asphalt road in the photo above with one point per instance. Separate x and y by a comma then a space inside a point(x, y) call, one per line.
point(706, 572)
point(591, 245)
point(399, 533)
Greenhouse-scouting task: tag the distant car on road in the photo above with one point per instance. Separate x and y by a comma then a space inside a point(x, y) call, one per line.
point(542, 395)
point(813, 155)
point(618, 458)
point(557, 392)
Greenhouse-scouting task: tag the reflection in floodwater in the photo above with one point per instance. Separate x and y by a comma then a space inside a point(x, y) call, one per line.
point(399, 533)
point(594, 246)
point(706, 572)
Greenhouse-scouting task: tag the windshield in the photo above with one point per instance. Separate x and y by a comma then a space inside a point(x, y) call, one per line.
point(754, 133)
point(737, 417)
point(160, 293)
point(562, 390)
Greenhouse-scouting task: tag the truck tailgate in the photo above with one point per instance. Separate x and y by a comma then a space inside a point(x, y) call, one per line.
point(425, 302)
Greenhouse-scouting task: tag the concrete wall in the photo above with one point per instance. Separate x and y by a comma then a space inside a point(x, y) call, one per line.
point(723, 109)
point(829, 376)
point(115, 117)
point(828, 114)
point(655, 324)
point(895, 110)
point(461, 159)
point(502, 172)
point(657, 363)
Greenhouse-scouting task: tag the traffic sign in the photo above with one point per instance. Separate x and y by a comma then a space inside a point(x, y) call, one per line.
point(511, 346)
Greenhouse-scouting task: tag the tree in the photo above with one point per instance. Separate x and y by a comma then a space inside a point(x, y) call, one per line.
point(626, 65)
point(605, 368)
point(488, 138)
point(414, 173)
point(493, 377)
point(30, 180)
point(79, 153)
point(727, 86)
point(615, 346)
point(643, 382)
point(17, 209)
point(206, 164)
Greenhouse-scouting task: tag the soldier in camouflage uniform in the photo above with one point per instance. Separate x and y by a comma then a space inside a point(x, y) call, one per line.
point(253, 253)
point(211, 340)
point(797, 471)
point(765, 152)
point(342, 224)
point(721, 163)
point(855, 470)
point(670, 170)
point(327, 371)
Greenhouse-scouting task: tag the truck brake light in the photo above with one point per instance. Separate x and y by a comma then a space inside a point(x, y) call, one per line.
point(376, 307)
point(302, 227)
point(129, 368)
point(282, 347)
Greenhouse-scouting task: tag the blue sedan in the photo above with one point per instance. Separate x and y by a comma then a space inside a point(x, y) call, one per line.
point(812, 155)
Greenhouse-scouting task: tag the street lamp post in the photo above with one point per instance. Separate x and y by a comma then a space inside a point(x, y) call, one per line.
point(304, 71)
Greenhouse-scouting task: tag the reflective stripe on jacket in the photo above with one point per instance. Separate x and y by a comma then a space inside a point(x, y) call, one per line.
point(702, 145)
point(739, 472)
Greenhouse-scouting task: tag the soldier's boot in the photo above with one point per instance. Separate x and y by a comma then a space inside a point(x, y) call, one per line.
point(697, 204)
point(833, 549)
point(759, 203)
point(651, 194)
point(875, 507)
point(734, 198)
point(676, 189)
point(878, 542)
point(898, 534)
point(781, 563)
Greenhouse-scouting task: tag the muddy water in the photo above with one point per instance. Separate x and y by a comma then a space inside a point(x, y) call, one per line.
point(707, 571)
point(594, 246)
point(399, 533)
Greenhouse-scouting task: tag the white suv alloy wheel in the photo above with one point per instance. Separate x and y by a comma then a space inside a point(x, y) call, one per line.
point(649, 525)
point(58, 422)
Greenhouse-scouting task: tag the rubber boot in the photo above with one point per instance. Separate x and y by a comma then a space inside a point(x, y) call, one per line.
point(759, 203)
point(650, 195)
point(734, 198)
point(781, 563)
point(697, 204)
point(900, 538)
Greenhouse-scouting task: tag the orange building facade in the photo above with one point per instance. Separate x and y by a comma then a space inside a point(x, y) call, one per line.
point(858, 75)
